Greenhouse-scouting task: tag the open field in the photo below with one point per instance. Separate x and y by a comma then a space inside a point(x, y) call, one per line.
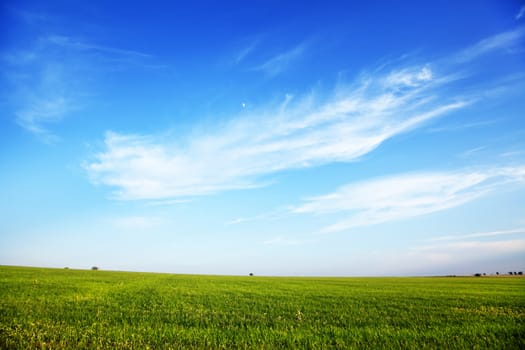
point(56, 309)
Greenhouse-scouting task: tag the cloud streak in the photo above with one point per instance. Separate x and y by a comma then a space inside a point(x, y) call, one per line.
point(496, 43)
point(41, 111)
point(471, 249)
point(521, 13)
point(405, 196)
point(279, 63)
point(71, 43)
point(458, 257)
point(136, 222)
point(51, 77)
point(282, 241)
point(483, 247)
point(302, 132)
point(479, 234)
point(245, 52)
point(297, 135)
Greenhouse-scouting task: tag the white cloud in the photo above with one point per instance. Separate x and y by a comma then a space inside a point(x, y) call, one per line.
point(472, 151)
point(461, 127)
point(300, 134)
point(464, 257)
point(243, 54)
point(168, 202)
point(282, 241)
point(464, 249)
point(282, 61)
point(40, 112)
point(521, 12)
point(44, 90)
point(303, 132)
point(496, 43)
point(409, 77)
point(136, 222)
point(492, 247)
point(50, 78)
point(273, 215)
point(70, 43)
point(463, 254)
point(480, 234)
point(404, 196)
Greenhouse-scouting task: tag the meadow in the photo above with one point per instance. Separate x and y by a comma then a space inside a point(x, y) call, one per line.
point(81, 309)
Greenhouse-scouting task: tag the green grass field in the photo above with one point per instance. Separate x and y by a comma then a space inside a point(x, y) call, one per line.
point(73, 309)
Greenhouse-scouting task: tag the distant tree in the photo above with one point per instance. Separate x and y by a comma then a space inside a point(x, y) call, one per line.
point(251, 274)
point(497, 273)
point(484, 274)
point(94, 268)
point(477, 274)
point(510, 273)
point(520, 273)
point(515, 273)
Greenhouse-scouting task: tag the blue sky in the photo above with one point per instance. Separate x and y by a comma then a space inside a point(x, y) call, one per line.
point(371, 138)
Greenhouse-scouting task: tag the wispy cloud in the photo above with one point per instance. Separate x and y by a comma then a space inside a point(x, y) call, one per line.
point(479, 235)
point(135, 222)
point(341, 126)
point(521, 12)
point(32, 17)
point(404, 196)
point(480, 252)
point(44, 90)
point(279, 63)
point(42, 111)
point(273, 215)
point(463, 257)
point(497, 43)
point(282, 241)
point(513, 153)
point(481, 248)
point(71, 43)
point(461, 127)
point(409, 77)
point(472, 151)
point(462, 249)
point(243, 53)
point(309, 132)
point(51, 76)
point(167, 202)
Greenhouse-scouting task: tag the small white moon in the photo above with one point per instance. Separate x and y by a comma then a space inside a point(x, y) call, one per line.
point(243, 105)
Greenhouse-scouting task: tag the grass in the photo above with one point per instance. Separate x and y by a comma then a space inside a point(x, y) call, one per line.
point(73, 309)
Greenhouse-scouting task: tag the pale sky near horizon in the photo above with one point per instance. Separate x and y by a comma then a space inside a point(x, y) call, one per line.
point(316, 138)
